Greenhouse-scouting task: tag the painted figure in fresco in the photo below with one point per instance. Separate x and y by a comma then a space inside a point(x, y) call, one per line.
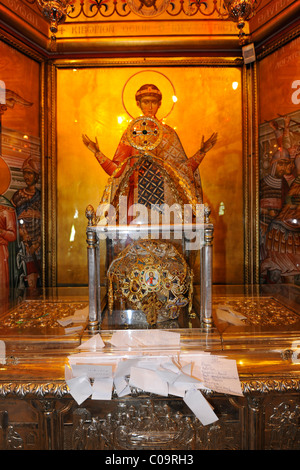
point(12, 98)
point(147, 186)
point(8, 234)
point(274, 187)
point(284, 136)
point(27, 202)
point(10, 271)
point(279, 208)
point(289, 140)
point(282, 239)
point(273, 191)
point(8, 100)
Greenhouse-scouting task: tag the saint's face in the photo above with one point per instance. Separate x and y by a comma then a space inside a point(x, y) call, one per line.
point(149, 105)
point(281, 168)
point(289, 168)
point(29, 177)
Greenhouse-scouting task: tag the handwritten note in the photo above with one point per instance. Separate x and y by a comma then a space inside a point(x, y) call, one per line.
point(168, 372)
point(221, 375)
point(92, 371)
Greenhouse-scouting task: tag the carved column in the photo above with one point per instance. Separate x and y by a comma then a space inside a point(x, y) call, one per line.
point(51, 423)
point(206, 272)
point(256, 423)
point(92, 270)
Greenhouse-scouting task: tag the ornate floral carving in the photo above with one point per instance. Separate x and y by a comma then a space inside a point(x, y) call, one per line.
point(268, 385)
point(40, 313)
point(60, 389)
point(262, 311)
point(37, 390)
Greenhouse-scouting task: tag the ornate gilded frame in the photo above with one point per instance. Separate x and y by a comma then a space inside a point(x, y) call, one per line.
point(250, 149)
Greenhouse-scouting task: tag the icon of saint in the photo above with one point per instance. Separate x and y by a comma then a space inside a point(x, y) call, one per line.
point(150, 184)
point(151, 279)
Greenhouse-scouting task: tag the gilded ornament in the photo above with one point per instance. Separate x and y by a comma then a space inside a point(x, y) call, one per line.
point(153, 277)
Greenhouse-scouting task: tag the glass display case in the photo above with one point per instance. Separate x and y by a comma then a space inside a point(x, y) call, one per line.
point(151, 274)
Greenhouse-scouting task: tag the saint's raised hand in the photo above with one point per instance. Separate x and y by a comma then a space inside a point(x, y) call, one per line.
point(209, 143)
point(93, 146)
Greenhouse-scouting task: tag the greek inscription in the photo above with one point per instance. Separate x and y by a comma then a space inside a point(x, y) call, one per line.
point(273, 9)
point(92, 30)
point(22, 11)
point(296, 94)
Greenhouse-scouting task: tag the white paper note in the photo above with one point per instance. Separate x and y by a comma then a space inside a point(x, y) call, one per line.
point(81, 315)
point(187, 369)
point(157, 338)
point(96, 342)
point(73, 329)
point(90, 357)
point(152, 363)
point(121, 386)
point(148, 338)
point(122, 339)
point(221, 375)
point(200, 407)
point(148, 381)
point(170, 365)
point(167, 375)
point(102, 389)
point(80, 388)
point(180, 388)
point(65, 321)
point(124, 366)
point(225, 313)
point(68, 373)
point(177, 391)
point(92, 371)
